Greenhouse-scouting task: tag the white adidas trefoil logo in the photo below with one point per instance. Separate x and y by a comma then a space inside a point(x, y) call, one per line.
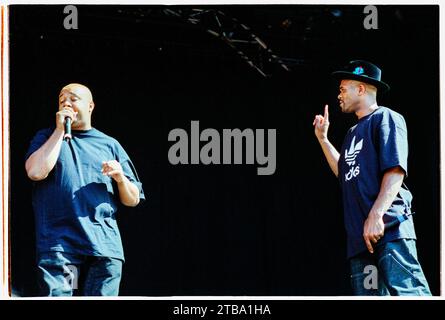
point(350, 156)
point(353, 151)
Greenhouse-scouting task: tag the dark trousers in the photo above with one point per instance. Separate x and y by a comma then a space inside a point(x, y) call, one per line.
point(63, 274)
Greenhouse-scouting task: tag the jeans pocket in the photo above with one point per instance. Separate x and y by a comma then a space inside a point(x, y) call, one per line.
point(395, 265)
point(401, 278)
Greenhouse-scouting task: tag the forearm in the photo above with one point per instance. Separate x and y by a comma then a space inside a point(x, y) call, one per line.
point(128, 192)
point(331, 154)
point(42, 161)
point(390, 187)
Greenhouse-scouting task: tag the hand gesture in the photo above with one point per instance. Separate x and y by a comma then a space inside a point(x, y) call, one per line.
point(113, 169)
point(321, 124)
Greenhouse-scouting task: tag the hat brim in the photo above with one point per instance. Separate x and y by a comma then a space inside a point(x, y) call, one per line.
point(342, 75)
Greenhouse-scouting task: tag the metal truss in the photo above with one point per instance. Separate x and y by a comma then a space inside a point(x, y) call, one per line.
point(254, 51)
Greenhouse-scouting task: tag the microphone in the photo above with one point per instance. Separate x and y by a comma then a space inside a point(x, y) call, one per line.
point(67, 136)
point(399, 220)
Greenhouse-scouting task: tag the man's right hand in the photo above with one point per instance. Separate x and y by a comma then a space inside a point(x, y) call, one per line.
point(62, 114)
point(42, 161)
point(321, 124)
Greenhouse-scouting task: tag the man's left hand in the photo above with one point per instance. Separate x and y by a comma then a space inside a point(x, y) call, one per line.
point(373, 230)
point(113, 169)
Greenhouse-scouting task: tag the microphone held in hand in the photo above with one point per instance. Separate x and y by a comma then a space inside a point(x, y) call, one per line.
point(67, 136)
point(399, 220)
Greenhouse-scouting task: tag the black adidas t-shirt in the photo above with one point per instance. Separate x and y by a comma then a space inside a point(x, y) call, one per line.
point(375, 144)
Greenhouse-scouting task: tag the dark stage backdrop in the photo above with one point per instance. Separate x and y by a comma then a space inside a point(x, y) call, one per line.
point(222, 229)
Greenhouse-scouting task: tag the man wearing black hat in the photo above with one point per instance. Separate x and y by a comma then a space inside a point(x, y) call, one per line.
point(371, 168)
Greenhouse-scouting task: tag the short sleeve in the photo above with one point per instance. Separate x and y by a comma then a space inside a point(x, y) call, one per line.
point(130, 170)
point(39, 139)
point(393, 142)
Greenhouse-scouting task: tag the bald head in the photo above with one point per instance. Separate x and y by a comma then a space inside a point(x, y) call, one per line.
point(80, 90)
point(79, 98)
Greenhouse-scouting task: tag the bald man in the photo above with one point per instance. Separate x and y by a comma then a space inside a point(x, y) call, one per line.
point(77, 184)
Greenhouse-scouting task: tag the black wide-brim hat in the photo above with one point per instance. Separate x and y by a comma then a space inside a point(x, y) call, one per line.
point(363, 71)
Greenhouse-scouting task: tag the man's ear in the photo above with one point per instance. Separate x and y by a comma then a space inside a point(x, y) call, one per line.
point(361, 89)
point(91, 106)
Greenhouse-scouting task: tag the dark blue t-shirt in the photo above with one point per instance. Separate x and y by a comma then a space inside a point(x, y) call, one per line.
point(75, 206)
point(375, 144)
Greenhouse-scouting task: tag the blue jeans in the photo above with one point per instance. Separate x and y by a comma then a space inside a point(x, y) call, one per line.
point(63, 274)
point(393, 270)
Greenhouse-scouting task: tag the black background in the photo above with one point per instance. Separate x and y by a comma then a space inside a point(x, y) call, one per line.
point(221, 229)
